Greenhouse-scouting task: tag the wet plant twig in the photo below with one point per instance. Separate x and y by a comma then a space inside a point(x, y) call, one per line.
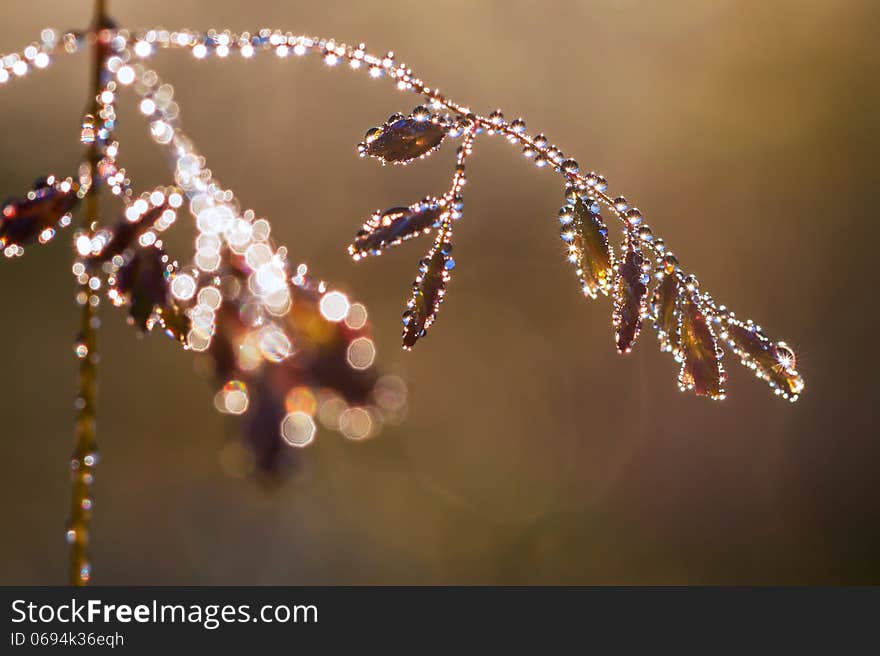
point(85, 453)
point(286, 348)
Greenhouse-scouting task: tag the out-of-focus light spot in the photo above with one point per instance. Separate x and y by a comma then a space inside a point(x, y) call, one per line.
point(249, 357)
point(301, 399)
point(357, 316)
point(334, 306)
point(361, 353)
point(83, 245)
point(206, 243)
point(214, 220)
point(271, 278)
point(233, 398)
point(143, 49)
point(274, 344)
point(330, 409)
point(147, 239)
point(239, 235)
point(197, 340)
point(257, 255)
point(211, 297)
point(199, 51)
point(125, 75)
point(278, 302)
point(202, 318)
point(261, 229)
point(356, 424)
point(162, 132)
point(390, 392)
point(147, 106)
point(183, 287)
point(298, 429)
point(207, 260)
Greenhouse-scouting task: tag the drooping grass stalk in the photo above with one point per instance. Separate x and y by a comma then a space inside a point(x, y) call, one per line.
point(85, 452)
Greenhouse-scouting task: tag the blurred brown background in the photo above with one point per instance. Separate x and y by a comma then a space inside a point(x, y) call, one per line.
point(747, 133)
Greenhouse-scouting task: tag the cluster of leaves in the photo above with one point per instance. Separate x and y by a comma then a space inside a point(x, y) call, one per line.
point(688, 322)
point(139, 273)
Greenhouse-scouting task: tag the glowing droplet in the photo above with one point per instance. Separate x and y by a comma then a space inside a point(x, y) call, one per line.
point(361, 353)
point(301, 399)
point(356, 424)
point(334, 306)
point(210, 297)
point(271, 278)
point(390, 392)
point(274, 344)
point(183, 287)
point(83, 245)
point(257, 255)
point(198, 340)
point(356, 317)
point(233, 398)
point(125, 75)
point(298, 429)
point(216, 219)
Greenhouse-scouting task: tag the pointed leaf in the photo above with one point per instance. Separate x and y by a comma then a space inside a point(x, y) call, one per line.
point(34, 218)
point(664, 309)
point(630, 295)
point(701, 368)
point(774, 362)
point(588, 248)
point(429, 289)
point(125, 233)
point(393, 226)
point(175, 322)
point(142, 280)
point(404, 138)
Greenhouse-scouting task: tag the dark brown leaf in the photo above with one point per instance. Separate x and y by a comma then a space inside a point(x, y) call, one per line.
point(701, 368)
point(630, 295)
point(774, 362)
point(429, 289)
point(664, 309)
point(588, 248)
point(175, 322)
point(126, 232)
point(142, 281)
point(27, 220)
point(404, 139)
point(393, 226)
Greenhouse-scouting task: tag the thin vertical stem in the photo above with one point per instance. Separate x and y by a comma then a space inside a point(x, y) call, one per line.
point(85, 452)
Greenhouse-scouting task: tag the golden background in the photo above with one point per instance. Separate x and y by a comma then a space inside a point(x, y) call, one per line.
point(746, 132)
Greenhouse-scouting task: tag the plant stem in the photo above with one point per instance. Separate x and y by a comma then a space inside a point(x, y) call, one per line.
point(85, 452)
